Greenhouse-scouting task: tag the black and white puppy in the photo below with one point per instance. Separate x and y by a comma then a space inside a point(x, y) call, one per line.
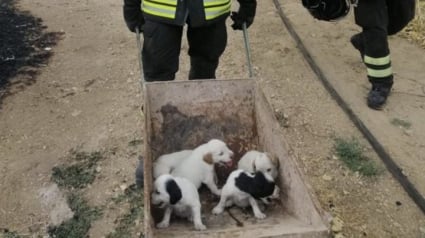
point(243, 188)
point(177, 195)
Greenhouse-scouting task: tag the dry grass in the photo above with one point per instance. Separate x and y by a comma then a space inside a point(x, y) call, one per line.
point(415, 31)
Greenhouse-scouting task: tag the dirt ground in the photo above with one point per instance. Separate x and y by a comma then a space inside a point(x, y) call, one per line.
point(87, 97)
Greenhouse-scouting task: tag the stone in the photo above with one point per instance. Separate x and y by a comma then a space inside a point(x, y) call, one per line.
point(337, 224)
point(326, 177)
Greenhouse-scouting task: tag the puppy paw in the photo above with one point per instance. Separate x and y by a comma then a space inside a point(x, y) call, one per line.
point(217, 210)
point(200, 227)
point(162, 225)
point(260, 215)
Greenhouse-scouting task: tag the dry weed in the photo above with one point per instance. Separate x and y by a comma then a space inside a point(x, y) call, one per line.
point(415, 31)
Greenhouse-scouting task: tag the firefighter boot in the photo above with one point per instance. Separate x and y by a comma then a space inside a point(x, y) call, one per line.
point(357, 42)
point(378, 95)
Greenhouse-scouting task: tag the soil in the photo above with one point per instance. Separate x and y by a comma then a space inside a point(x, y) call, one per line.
point(83, 93)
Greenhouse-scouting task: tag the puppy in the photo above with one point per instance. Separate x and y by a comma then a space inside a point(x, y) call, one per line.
point(168, 162)
point(177, 195)
point(243, 188)
point(254, 161)
point(199, 166)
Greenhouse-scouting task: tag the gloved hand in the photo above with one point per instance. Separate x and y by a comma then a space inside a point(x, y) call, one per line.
point(133, 15)
point(246, 13)
point(327, 10)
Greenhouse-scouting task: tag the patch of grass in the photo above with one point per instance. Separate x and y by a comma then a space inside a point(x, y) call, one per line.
point(80, 223)
point(5, 233)
point(79, 174)
point(135, 142)
point(401, 123)
point(119, 199)
point(72, 177)
point(351, 153)
point(415, 30)
point(134, 196)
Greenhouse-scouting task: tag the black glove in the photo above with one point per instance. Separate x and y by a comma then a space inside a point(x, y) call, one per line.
point(246, 13)
point(327, 10)
point(133, 15)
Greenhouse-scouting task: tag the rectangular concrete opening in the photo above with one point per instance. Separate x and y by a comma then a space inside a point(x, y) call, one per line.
point(184, 114)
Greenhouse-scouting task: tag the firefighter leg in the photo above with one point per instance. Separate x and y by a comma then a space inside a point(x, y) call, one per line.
point(357, 42)
point(161, 50)
point(372, 16)
point(206, 45)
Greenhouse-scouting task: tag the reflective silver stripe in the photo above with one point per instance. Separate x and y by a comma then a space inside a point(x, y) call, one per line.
point(379, 73)
point(213, 12)
point(208, 3)
point(377, 61)
point(159, 10)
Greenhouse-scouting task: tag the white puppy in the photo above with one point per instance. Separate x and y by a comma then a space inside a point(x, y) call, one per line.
point(168, 162)
point(199, 166)
point(243, 188)
point(254, 161)
point(177, 195)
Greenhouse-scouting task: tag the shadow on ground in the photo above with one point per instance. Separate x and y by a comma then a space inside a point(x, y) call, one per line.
point(25, 46)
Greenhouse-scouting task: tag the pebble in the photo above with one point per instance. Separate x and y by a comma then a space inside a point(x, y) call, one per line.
point(123, 187)
point(326, 177)
point(422, 230)
point(337, 224)
point(76, 113)
point(396, 224)
point(408, 132)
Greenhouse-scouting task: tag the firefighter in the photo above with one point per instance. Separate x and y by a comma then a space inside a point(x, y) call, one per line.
point(378, 19)
point(162, 22)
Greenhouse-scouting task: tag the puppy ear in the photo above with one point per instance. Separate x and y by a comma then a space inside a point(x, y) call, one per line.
point(174, 191)
point(208, 158)
point(263, 184)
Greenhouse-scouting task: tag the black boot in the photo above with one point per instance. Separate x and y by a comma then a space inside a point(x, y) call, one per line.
point(378, 95)
point(357, 42)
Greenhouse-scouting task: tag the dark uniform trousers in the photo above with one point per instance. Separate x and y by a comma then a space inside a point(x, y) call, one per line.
point(161, 50)
point(372, 16)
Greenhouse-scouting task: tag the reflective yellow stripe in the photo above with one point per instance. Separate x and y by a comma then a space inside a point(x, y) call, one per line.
point(381, 73)
point(213, 12)
point(159, 10)
point(167, 8)
point(377, 61)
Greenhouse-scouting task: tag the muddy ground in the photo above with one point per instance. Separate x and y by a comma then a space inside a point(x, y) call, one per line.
point(72, 85)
